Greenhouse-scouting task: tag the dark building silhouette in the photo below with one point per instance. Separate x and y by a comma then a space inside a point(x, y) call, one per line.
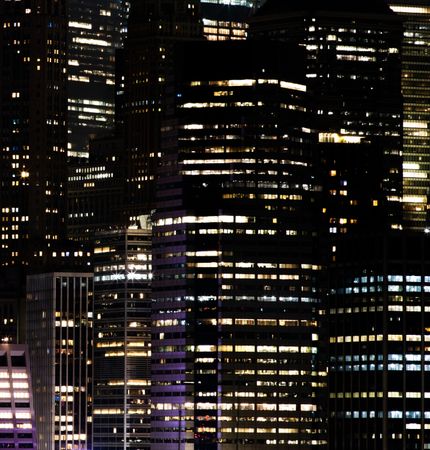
point(153, 29)
point(353, 70)
point(33, 138)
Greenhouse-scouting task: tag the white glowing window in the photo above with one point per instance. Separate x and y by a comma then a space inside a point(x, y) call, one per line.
point(287, 407)
point(19, 375)
point(23, 415)
point(21, 395)
point(308, 407)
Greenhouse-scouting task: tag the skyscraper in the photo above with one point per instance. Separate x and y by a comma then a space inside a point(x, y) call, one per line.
point(59, 320)
point(96, 29)
point(415, 89)
point(235, 348)
point(33, 137)
point(122, 352)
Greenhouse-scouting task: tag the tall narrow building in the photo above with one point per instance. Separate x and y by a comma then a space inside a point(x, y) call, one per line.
point(416, 121)
point(96, 29)
point(33, 137)
point(59, 320)
point(122, 336)
point(153, 29)
point(235, 349)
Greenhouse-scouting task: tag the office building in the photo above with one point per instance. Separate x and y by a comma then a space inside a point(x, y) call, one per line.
point(59, 320)
point(235, 348)
point(354, 71)
point(17, 424)
point(415, 87)
point(96, 29)
point(378, 310)
point(122, 353)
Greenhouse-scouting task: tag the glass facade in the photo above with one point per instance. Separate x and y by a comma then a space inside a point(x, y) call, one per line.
point(379, 332)
point(122, 349)
point(95, 190)
point(96, 29)
point(416, 93)
point(59, 322)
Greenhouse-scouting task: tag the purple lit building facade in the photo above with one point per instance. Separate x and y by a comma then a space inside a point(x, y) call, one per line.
point(17, 422)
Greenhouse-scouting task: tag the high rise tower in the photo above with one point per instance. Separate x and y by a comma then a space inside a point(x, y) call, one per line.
point(122, 336)
point(59, 320)
point(416, 125)
point(379, 332)
point(154, 28)
point(33, 137)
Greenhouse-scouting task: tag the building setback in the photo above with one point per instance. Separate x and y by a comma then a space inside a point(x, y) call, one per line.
point(17, 424)
point(95, 195)
point(122, 321)
point(59, 335)
point(226, 19)
point(235, 348)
